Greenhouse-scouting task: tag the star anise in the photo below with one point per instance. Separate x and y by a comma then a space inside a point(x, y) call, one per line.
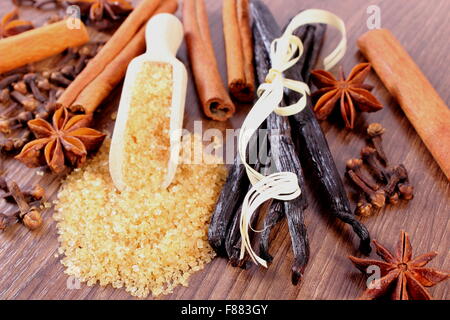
point(349, 94)
point(10, 25)
point(98, 9)
point(64, 142)
point(403, 277)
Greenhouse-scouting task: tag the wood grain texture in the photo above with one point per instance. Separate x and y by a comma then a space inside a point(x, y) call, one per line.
point(30, 269)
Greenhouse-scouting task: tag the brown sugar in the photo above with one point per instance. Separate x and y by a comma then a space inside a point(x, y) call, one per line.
point(145, 239)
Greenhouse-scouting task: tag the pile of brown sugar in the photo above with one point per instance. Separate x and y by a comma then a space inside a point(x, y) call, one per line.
point(145, 239)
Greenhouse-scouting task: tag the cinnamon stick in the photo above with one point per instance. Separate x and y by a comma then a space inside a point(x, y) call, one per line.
point(98, 89)
point(239, 49)
point(112, 48)
point(420, 102)
point(213, 96)
point(40, 43)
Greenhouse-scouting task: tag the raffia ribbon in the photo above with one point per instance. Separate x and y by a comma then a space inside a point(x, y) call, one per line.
point(284, 53)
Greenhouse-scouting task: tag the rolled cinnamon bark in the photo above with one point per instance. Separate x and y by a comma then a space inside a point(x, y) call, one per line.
point(214, 98)
point(239, 49)
point(40, 43)
point(98, 89)
point(420, 102)
point(118, 41)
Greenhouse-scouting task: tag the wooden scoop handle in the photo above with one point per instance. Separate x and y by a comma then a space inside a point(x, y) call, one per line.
point(163, 34)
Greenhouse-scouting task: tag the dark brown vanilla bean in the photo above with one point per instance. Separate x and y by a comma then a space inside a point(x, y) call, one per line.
point(315, 151)
point(274, 215)
point(233, 238)
point(233, 241)
point(229, 200)
point(282, 148)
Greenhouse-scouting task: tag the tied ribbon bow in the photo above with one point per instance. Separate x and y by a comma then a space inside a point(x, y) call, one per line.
point(284, 53)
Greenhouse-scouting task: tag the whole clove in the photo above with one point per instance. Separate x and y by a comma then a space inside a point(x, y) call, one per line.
point(30, 80)
point(43, 84)
point(406, 191)
point(47, 108)
point(369, 156)
point(363, 208)
point(30, 216)
point(377, 197)
point(7, 125)
point(68, 72)
point(85, 54)
point(375, 131)
point(394, 198)
point(5, 82)
point(4, 221)
point(21, 140)
point(21, 87)
point(5, 97)
point(356, 166)
point(6, 145)
point(398, 174)
point(28, 102)
point(58, 78)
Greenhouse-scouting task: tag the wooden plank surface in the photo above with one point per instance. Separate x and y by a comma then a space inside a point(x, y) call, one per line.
point(30, 268)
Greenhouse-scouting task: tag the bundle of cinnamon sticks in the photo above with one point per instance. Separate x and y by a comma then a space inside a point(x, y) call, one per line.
point(109, 66)
point(239, 49)
point(214, 98)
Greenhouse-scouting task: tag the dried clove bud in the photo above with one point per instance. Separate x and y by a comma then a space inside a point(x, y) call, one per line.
point(363, 208)
point(30, 216)
point(30, 80)
point(23, 139)
point(32, 219)
point(21, 87)
point(369, 156)
point(4, 221)
point(60, 79)
point(375, 131)
point(6, 145)
point(28, 103)
point(68, 71)
point(85, 53)
point(356, 166)
point(7, 125)
point(24, 117)
point(36, 193)
point(5, 96)
point(406, 191)
point(394, 199)
point(398, 174)
point(43, 84)
point(5, 82)
point(377, 197)
point(46, 74)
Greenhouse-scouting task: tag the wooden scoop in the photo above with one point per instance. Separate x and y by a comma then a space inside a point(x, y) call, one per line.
point(164, 34)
